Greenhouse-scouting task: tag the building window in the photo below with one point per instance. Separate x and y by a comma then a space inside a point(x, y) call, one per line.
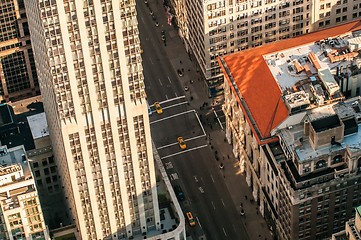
point(320, 164)
point(337, 159)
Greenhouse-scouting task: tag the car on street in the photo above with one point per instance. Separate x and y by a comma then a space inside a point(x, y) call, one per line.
point(158, 108)
point(181, 143)
point(241, 212)
point(190, 219)
point(179, 193)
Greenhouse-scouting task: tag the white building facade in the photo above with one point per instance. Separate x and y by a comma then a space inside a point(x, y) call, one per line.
point(216, 27)
point(89, 66)
point(21, 214)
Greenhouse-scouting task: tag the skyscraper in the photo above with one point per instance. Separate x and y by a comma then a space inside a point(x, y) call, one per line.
point(90, 73)
point(18, 77)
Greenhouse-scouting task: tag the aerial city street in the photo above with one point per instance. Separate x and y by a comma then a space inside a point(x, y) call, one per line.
point(180, 119)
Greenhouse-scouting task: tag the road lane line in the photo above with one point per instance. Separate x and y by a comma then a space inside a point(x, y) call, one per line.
point(224, 231)
point(175, 105)
point(160, 82)
point(223, 202)
point(151, 61)
point(166, 96)
point(199, 121)
point(199, 222)
point(195, 178)
point(165, 146)
point(172, 99)
point(172, 144)
point(184, 151)
point(176, 94)
point(213, 205)
point(169, 80)
point(212, 178)
point(175, 115)
point(189, 139)
point(218, 119)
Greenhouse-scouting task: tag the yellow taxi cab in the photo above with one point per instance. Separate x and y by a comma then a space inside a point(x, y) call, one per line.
point(158, 108)
point(191, 220)
point(181, 143)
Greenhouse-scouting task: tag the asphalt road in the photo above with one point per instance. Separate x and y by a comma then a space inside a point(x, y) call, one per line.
point(161, 81)
point(195, 169)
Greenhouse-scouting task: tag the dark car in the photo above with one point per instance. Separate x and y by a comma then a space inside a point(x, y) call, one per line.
point(179, 193)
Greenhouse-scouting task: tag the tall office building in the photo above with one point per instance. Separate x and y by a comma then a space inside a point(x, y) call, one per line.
point(217, 27)
point(90, 73)
point(17, 68)
point(297, 137)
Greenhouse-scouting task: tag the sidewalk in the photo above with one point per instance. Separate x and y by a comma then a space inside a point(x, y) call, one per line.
point(197, 96)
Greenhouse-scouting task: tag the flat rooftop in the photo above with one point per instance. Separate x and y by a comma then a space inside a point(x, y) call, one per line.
point(13, 158)
point(274, 81)
point(38, 125)
point(290, 66)
point(323, 117)
point(6, 115)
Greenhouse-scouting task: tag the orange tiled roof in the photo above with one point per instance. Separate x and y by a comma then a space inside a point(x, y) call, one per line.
point(257, 85)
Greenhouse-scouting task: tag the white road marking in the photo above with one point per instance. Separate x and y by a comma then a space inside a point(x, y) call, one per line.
point(166, 96)
point(223, 202)
point(199, 222)
point(195, 178)
point(184, 151)
point(172, 144)
point(174, 176)
point(199, 121)
point(189, 139)
point(176, 94)
point(151, 61)
point(212, 178)
point(213, 205)
point(224, 231)
point(168, 165)
point(218, 119)
point(169, 80)
point(175, 115)
point(201, 189)
point(175, 105)
point(160, 82)
point(172, 99)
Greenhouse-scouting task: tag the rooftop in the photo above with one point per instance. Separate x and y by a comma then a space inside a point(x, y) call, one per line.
point(323, 118)
point(13, 159)
point(283, 78)
point(38, 125)
point(6, 115)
